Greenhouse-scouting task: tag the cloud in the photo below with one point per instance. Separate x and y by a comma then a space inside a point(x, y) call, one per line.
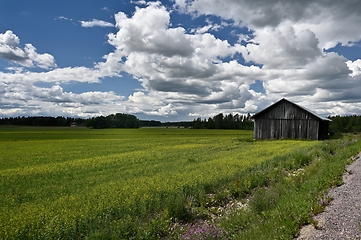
point(21, 95)
point(58, 75)
point(139, 2)
point(96, 23)
point(355, 67)
point(258, 13)
point(25, 99)
point(41, 60)
point(55, 94)
point(191, 73)
point(147, 31)
point(189, 68)
point(169, 60)
point(11, 50)
point(178, 71)
point(210, 27)
point(63, 18)
point(327, 19)
point(290, 49)
point(150, 104)
point(288, 41)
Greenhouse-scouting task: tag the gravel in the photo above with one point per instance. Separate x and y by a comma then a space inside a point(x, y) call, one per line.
point(342, 217)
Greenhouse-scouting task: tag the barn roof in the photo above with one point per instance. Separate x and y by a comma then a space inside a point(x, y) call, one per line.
point(283, 99)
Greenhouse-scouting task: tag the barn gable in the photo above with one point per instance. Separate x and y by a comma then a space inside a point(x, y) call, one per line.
point(285, 119)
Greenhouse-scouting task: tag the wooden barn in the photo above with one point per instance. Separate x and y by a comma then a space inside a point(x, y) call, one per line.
point(285, 119)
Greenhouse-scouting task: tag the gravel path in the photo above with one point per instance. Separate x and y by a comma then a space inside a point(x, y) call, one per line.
point(342, 218)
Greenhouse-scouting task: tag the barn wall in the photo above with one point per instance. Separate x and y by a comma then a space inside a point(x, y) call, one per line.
point(286, 128)
point(286, 120)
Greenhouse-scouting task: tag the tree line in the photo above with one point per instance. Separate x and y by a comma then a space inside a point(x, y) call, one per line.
point(42, 121)
point(339, 124)
point(221, 121)
point(118, 120)
point(153, 123)
point(345, 124)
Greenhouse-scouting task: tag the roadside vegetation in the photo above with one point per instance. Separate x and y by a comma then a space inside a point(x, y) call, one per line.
point(79, 183)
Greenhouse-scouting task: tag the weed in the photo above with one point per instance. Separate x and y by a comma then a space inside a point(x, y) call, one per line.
point(204, 231)
point(264, 199)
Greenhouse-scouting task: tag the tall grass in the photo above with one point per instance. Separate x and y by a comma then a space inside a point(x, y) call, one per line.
point(297, 191)
point(150, 183)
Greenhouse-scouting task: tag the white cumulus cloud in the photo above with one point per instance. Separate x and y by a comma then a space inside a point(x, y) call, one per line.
point(96, 23)
point(11, 50)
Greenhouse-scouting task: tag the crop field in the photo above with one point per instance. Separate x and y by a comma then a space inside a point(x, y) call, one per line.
point(85, 183)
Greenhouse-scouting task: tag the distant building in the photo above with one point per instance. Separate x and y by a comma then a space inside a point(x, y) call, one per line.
point(287, 120)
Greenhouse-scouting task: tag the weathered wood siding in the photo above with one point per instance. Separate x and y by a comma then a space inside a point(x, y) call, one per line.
point(286, 120)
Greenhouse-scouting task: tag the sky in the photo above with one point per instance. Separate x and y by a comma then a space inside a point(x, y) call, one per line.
point(178, 60)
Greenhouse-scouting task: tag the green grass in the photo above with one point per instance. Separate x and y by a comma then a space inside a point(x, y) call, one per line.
point(279, 210)
point(139, 183)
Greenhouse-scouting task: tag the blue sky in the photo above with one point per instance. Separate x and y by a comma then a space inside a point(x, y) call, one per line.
point(178, 60)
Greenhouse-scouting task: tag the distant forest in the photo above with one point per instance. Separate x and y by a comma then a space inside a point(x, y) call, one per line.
point(339, 124)
point(221, 121)
point(119, 120)
point(153, 123)
point(345, 124)
point(42, 121)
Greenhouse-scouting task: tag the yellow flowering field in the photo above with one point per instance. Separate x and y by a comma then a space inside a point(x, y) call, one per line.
point(76, 182)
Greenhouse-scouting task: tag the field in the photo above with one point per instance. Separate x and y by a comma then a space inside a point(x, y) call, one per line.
point(146, 183)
